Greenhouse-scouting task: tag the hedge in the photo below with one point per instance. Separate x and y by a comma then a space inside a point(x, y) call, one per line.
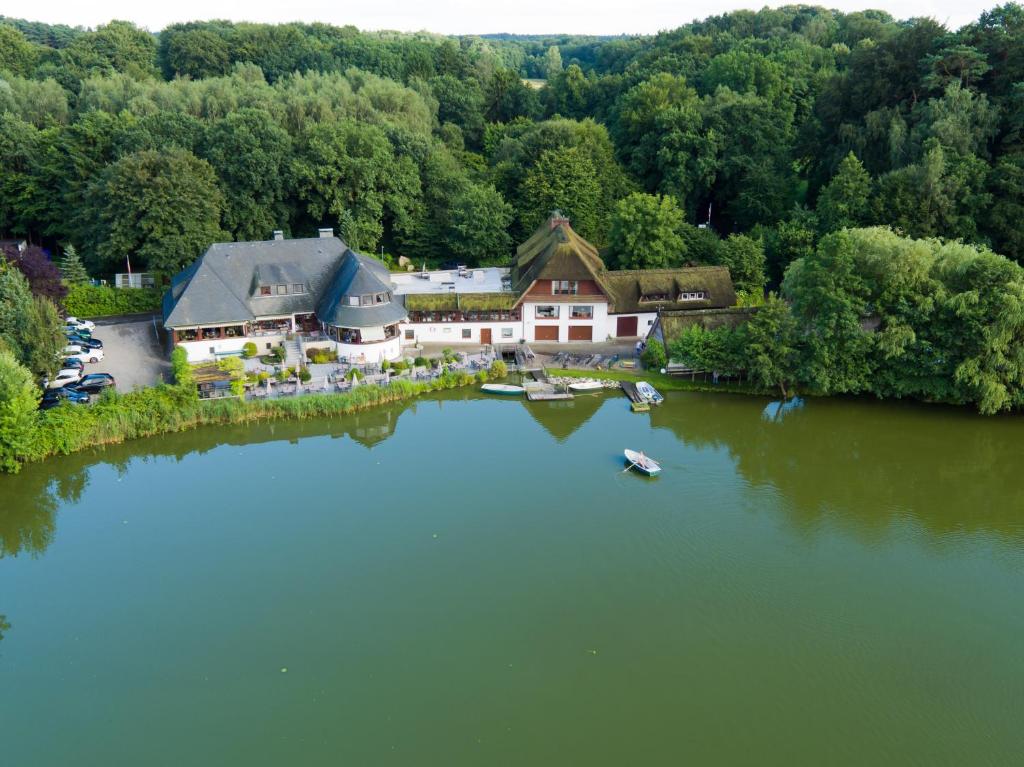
point(104, 301)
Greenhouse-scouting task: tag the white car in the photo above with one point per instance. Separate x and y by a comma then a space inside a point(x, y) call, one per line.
point(64, 377)
point(83, 354)
point(77, 324)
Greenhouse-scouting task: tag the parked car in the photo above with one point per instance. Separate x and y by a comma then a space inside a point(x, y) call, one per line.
point(80, 324)
point(81, 353)
point(53, 397)
point(69, 362)
point(64, 377)
point(88, 343)
point(71, 330)
point(94, 383)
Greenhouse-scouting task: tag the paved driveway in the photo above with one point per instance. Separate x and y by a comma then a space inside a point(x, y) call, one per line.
point(133, 353)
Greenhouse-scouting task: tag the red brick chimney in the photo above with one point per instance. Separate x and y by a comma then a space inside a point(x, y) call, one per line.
point(557, 219)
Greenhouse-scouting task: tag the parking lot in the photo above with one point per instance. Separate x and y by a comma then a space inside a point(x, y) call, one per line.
point(132, 353)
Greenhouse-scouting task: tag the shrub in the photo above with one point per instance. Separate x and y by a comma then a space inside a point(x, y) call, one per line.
point(233, 365)
point(399, 365)
point(319, 356)
point(421, 362)
point(103, 300)
point(249, 350)
point(262, 377)
point(481, 377)
point(498, 370)
point(654, 357)
point(181, 370)
point(305, 375)
point(354, 375)
point(385, 365)
point(19, 398)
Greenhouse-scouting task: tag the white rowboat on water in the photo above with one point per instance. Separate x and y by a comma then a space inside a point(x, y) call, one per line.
point(586, 386)
point(506, 389)
point(642, 463)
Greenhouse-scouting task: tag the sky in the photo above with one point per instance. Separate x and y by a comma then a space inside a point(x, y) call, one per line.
point(606, 17)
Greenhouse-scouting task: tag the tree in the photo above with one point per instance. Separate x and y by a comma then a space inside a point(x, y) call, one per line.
point(771, 345)
point(161, 209)
point(644, 233)
point(196, 53)
point(71, 268)
point(19, 406)
point(508, 97)
point(478, 227)
point(745, 258)
point(845, 201)
point(43, 277)
point(348, 171)
point(17, 55)
point(552, 62)
point(42, 337)
point(564, 180)
point(250, 153)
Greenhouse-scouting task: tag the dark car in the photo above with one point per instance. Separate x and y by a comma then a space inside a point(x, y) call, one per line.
point(73, 363)
point(88, 343)
point(53, 397)
point(71, 330)
point(94, 383)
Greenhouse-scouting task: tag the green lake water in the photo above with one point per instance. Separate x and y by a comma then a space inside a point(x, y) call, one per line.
point(470, 581)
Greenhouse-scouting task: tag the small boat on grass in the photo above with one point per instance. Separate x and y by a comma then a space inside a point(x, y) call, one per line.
point(506, 389)
point(642, 463)
point(586, 386)
point(649, 393)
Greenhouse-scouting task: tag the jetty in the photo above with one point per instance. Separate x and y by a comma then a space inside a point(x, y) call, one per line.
point(637, 403)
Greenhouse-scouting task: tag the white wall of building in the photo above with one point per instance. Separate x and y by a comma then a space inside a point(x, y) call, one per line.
point(201, 351)
point(452, 332)
point(599, 321)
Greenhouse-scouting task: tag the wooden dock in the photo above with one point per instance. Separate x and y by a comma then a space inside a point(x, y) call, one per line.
point(636, 403)
point(537, 391)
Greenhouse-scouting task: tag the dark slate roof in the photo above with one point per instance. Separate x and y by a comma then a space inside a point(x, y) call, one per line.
point(222, 285)
point(359, 275)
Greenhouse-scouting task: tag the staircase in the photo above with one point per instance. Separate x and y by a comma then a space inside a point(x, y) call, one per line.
point(293, 353)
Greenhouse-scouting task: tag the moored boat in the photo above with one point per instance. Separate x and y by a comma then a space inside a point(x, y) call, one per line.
point(649, 393)
point(506, 389)
point(642, 463)
point(585, 386)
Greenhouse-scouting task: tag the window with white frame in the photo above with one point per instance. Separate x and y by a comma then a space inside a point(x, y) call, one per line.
point(564, 287)
point(298, 288)
point(542, 312)
point(506, 332)
point(582, 312)
point(693, 295)
point(282, 290)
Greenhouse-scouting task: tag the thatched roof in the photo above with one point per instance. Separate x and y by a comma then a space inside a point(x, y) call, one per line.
point(555, 252)
point(451, 302)
point(628, 288)
point(670, 325)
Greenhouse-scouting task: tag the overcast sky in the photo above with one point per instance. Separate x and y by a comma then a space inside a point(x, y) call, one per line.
point(455, 16)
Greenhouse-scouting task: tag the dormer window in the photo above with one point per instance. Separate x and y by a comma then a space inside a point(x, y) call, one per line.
point(353, 300)
point(265, 290)
point(282, 290)
point(693, 295)
point(648, 298)
point(298, 288)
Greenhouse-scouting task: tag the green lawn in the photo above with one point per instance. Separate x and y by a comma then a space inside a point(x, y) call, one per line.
point(656, 379)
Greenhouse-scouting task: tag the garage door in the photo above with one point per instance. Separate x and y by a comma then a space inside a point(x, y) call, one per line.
point(581, 332)
point(546, 332)
point(625, 327)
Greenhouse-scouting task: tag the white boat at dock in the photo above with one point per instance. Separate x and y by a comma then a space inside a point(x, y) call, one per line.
point(586, 386)
point(649, 393)
point(505, 389)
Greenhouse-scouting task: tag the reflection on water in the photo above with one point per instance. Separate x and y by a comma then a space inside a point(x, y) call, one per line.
point(776, 411)
point(871, 462)
point(4, 625)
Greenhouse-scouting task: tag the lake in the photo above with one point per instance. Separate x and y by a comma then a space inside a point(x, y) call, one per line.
point(471, 581)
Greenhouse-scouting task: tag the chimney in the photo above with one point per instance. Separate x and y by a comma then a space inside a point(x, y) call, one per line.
point(557, 219)
point(326, 231)
point(278, 234)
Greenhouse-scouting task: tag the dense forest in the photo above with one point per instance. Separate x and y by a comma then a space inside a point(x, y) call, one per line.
point(866, 169)
point(778, 124)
